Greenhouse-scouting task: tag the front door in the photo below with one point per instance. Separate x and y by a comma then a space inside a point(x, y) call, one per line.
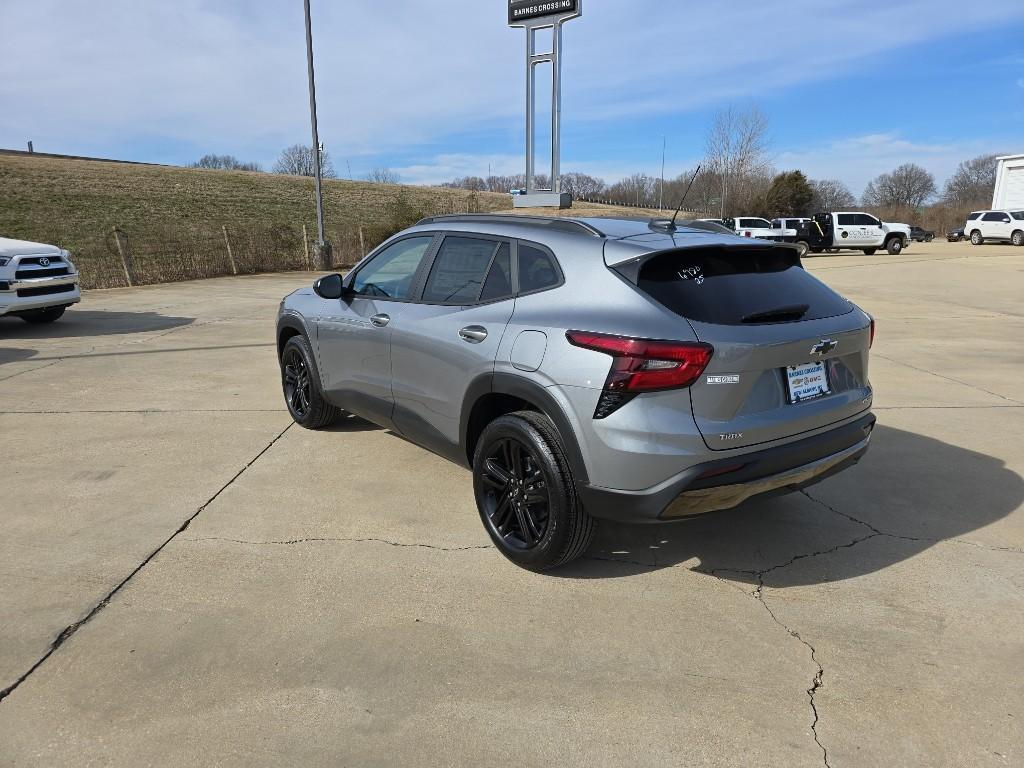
point(450, 337)
point(354, 333)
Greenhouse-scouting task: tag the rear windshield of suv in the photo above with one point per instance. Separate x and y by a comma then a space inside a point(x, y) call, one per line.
point(738, 286)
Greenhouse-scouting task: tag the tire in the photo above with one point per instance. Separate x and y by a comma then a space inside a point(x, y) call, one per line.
point(525, 493)
point(300, 382)
point(929, 238)
point(41, 316)
point(802, 248)
point(894, 246)
point(976, 238)
point(1017, 238)
point(817, 250)
point(870, 251)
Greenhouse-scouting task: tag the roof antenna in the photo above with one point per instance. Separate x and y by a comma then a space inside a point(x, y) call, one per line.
point(689, 186)
point(669, 225)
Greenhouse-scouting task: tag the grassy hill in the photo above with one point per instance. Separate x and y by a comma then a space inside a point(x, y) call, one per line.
point(172, 221)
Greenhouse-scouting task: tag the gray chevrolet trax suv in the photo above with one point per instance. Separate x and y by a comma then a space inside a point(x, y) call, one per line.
point(588, 368)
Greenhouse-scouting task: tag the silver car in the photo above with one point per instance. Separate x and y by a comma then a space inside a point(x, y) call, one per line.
point(588, 368)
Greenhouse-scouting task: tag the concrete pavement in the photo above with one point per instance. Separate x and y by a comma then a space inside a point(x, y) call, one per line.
point(188, 580)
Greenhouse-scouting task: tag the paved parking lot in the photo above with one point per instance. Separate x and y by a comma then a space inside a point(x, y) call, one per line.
point(187, 579)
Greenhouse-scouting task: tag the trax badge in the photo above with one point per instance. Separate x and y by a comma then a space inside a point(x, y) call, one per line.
point(824, 346)
point(733, 379)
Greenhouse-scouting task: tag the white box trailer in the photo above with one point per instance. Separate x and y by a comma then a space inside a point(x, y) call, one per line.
point(1009, 183)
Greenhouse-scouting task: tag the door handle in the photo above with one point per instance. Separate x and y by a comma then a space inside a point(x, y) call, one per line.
point(380, 320)
point(474, 334)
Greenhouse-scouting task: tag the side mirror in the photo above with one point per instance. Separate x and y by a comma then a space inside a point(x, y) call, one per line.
point(329, 287)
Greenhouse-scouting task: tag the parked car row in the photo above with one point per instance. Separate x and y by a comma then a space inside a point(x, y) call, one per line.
point(828, 232)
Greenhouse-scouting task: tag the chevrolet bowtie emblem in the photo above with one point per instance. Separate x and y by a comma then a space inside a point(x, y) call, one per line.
point(824, 346)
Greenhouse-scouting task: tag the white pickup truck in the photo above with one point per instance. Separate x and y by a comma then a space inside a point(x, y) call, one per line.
point(852, 231)
point(37, 282)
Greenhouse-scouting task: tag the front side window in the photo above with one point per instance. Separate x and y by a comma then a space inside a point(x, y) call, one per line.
point(1018, 215)
point(995, 217)
point(461, 269)
point(537, 270)
point(390, 274)
point(868, 221)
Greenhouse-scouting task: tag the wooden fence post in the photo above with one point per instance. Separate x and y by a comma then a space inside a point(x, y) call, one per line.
point(231, 256)
point(122, 250)
point(362, 244)
point(305, 244)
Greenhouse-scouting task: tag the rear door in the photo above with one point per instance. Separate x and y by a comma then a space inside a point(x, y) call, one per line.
point(790, 354)
point(450, 335)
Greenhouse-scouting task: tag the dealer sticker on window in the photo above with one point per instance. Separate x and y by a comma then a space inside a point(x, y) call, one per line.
point(807, 382)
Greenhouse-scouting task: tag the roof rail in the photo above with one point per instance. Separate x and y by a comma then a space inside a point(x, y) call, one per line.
point(553, 222)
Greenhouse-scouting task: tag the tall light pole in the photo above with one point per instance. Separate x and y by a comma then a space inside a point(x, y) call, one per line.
point(322, 246)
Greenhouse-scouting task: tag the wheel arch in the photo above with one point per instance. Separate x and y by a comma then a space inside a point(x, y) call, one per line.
point(494, 395)
point(287, 327)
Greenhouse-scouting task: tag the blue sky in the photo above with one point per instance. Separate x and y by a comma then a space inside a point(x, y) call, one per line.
point(851, 88)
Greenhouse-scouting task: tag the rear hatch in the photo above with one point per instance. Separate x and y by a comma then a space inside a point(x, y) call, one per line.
point(790, 355)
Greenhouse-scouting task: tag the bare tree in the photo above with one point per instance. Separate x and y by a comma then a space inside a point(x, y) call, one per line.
point(638, 189)
point(581, 185)
point(383, 176)
point(299, 160)
point(908, 186)
point(973, 183)
point(736, 149)
point(832, 195)
point(224, 163)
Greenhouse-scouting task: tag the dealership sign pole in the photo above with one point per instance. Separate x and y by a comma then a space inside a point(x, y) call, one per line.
point(534, 15)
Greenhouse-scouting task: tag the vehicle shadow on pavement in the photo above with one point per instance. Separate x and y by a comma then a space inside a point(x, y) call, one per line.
point(910, 492)
point(16, 354)
point(84, 323)
point(351, 423)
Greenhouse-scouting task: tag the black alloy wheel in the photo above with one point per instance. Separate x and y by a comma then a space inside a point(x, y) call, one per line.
point(517, 501)
point(301, 384)
point(297, 384)
point(525, 492)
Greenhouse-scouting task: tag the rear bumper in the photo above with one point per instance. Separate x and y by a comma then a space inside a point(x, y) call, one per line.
point(725, 483)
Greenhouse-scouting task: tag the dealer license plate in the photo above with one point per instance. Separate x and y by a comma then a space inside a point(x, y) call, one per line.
point(807, 382)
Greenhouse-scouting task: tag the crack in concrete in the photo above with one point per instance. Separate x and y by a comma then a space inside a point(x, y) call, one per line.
point(71, 629)
point(30, 370)
point(315, 540)
point(948, 378)
point(901, 537)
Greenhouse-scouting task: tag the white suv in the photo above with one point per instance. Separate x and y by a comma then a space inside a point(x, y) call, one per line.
point(37, 282)
point(1006, 226)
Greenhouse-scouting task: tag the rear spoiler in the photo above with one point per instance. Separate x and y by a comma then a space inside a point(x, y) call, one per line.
point(627, 259)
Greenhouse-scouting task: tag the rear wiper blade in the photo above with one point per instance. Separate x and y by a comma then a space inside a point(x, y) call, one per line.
point(779, 314)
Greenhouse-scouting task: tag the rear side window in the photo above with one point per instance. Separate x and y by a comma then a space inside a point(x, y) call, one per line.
point(461, 269)
point(499, 280)
point(846, 219)
point(738, 287)
point(537, 270)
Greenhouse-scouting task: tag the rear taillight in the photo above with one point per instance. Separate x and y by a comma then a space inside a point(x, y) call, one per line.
point(643, 365)
point(871, 341)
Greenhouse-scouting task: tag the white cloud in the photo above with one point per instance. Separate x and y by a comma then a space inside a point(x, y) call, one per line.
point(858, 159)
point(230, 76)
